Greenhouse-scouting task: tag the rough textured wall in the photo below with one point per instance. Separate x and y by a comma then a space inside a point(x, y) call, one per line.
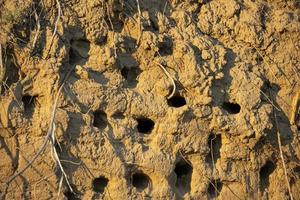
point(159, 99)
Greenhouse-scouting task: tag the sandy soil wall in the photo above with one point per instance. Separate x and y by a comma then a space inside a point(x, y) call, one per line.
point(150, 99)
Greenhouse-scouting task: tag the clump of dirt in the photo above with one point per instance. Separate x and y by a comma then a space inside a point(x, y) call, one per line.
point(150, 99)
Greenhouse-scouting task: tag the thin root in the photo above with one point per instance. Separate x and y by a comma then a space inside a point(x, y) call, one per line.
point(170, 77)
point(47, 137)
point(140, 23)
point(38, 28)
point(55, 29)
point(282, 158)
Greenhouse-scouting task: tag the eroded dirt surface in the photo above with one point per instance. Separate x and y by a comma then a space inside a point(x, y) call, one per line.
point(120, 132)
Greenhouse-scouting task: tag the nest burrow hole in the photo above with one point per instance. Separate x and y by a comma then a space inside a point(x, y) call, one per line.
point(265, 173)
point(214, 189)
point(214, 143)
point(100, 119)
point(140, 181)
point(183, 171)
point(79, 51)
point(99, 184)
point(130, 74)
point(145, 125)
point(231, 108)
point(165, 47)
point(28, 102)
point(176, 101)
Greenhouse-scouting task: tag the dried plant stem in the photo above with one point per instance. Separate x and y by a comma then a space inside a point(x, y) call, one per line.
point(212, 159)
point(64, 175)
point(282, 158)
point(2, 69)
point(295, 108)
point(56, 158)
point(264, 60)
point(266, 96)
point(139, 23)
point(165, 8)
point(213, 184)
point(47, 137)
point(170, 77)
point(59, 186)
point(113, 33)
point(38, 28)
point(55, 29)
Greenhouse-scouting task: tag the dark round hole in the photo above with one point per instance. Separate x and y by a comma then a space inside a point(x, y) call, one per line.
point(214, 189)
point(78, 52)
point(100, 119)
point(125, 72)
point(145, 125)
point(267, 169)
point(183, 171)
point(70, 195)
point(130, 74)
point(99, 184)
point(183, 168)
point(231, 108)
point(165, 47)
point(265, 173)
point(176, 101)
point(140, 181)
point(28, 102)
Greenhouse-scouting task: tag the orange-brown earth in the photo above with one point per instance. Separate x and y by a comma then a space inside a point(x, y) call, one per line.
point(159, 99)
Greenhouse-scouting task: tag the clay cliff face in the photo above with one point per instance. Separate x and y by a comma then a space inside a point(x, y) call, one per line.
point(148, 99)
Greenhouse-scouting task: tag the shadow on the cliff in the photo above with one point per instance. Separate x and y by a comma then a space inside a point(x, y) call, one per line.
point(280, 121)
point(13, 156)
point(221, 86)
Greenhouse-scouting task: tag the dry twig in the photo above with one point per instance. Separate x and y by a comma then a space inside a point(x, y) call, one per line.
point(213, 184)
point(140, 23)
point(47, 137)
point(212, 159)
point(38, 28)
point(165, 8)
point(55, 29)
point(56, 157)
point(170, 77)
point(2, 68)
point(295, 108)
point(60, 186)
point(113, 33)
point(282, 158)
